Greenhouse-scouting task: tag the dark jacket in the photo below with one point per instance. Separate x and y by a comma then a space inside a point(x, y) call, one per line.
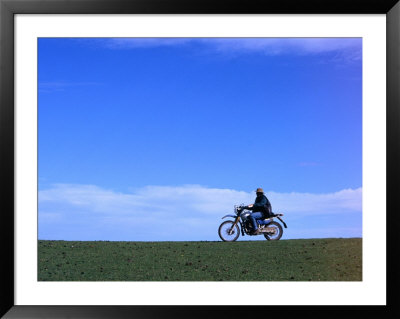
point(262, 204)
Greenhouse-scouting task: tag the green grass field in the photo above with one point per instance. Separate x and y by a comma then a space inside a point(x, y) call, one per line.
point(331, 259)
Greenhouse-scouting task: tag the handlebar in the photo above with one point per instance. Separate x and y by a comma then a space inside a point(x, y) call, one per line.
point(240, 208)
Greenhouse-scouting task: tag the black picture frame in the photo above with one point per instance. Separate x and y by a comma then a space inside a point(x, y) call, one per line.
point(8, 8)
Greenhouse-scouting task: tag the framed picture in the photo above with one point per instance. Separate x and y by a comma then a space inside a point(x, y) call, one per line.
point(38, 36)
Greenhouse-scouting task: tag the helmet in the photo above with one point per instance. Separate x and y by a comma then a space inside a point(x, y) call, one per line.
point(259, 190)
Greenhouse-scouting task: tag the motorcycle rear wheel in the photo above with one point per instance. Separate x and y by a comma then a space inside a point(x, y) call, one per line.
point(278, 231)
point(227, 233)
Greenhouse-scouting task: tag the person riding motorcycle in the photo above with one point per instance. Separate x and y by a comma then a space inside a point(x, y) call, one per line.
point(260, 209)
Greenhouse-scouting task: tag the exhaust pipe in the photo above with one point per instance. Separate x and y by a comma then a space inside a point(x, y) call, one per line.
point(267, 230)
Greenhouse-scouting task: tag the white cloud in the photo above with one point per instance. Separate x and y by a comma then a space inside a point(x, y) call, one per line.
point(275, 46)
point(188, 212)
point(346, 48)
point(305, 204)
point(57, 86)
point(132, 43)
point(195, 199)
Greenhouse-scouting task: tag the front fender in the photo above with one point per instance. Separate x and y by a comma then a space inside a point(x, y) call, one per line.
point(228, 216)
point(284, 224)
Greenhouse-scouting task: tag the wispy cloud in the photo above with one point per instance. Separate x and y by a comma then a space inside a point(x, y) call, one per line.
point(308, 164)
point(191, 212)
point(343, 48)
point(57, 86)
point(131, 43)
point(281, 46)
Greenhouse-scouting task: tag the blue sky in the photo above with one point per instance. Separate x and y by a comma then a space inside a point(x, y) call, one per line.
point(157, 139)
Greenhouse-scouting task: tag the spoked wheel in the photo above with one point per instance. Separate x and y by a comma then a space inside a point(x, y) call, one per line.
point(275, 233)
point(228, 232)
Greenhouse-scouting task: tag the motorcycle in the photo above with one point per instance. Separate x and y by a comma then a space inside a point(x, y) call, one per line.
point(229, 230)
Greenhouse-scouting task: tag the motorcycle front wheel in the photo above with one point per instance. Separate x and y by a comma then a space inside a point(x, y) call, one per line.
point(228, 232)
point(276, 231)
